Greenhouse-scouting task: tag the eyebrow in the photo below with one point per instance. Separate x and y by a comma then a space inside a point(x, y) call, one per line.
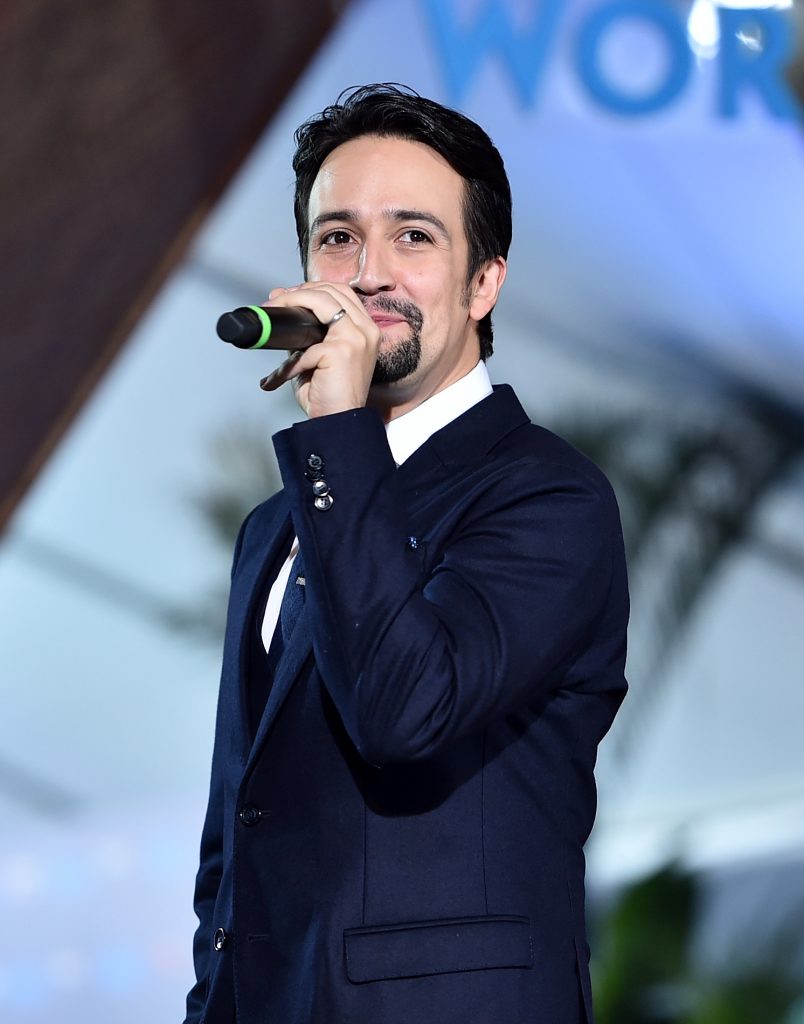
point(352, 217)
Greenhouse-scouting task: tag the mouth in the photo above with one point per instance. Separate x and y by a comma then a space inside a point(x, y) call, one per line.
point(387, 313)
point(386, 320)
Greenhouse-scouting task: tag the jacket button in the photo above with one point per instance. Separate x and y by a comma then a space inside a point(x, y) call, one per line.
point(324, 503)
point(219, 939)
point(320, 487)
point(250, 815)
point(315, 461)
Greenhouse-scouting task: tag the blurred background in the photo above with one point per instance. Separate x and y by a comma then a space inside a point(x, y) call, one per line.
point(654, 315)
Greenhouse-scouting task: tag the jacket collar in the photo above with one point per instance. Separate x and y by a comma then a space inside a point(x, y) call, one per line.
point(471, 436)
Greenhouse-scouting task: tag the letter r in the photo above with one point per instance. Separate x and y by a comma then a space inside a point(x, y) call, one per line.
point(741, 69)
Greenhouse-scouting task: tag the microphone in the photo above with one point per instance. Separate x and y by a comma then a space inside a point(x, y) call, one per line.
point(271, 327)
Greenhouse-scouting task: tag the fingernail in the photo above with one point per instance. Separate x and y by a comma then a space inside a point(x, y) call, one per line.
point(265, 383)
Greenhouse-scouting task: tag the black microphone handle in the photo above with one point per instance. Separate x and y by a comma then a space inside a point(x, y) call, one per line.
point(271, 327)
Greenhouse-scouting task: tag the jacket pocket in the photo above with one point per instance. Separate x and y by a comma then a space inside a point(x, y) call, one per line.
point(420, 948)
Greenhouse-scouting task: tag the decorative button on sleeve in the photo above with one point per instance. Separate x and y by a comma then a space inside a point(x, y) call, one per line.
point(323, 500)
point(315, 467)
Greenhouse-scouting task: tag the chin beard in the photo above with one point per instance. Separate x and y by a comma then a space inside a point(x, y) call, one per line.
point(404, 358)
point(399, 362)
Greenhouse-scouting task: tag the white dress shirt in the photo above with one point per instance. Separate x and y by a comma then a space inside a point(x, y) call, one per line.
point(405, 435)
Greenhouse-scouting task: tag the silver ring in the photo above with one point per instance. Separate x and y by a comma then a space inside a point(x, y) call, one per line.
point(338, 316)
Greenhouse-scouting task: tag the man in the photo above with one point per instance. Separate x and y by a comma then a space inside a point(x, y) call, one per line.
point(402, 778)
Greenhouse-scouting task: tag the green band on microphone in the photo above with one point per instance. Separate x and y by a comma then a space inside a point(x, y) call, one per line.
point(265, 320)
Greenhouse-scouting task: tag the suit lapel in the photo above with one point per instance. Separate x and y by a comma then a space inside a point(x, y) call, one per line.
point(297, 651)
point(255, 568)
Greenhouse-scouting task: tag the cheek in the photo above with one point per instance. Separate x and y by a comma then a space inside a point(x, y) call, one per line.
point(338, 271)
point(430, 291)
point(315, 273)
point(442, 304)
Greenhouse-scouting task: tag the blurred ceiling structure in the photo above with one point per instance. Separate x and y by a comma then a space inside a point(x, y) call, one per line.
point(118, 142)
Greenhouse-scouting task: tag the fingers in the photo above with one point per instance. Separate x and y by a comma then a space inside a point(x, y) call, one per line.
point(334, 375)
point(287, 370)
point(324, 299)
point(355, 329)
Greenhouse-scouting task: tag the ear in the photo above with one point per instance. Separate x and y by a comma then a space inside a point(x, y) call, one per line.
point(487, 287)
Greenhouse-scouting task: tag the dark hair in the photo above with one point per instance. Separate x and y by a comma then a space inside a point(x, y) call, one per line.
point(398, 112)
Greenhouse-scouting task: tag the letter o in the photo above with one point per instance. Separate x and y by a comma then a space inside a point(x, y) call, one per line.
point(591, 73)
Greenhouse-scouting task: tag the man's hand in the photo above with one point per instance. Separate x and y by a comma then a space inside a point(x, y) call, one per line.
point(335, 374)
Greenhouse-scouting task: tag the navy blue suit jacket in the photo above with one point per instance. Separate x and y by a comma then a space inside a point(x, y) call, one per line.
point(401, 841)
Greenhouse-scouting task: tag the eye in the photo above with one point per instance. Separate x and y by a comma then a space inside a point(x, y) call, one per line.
point(414, 236)
point(336, 237)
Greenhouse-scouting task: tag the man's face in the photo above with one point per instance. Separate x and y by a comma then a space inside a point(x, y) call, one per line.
point(386, 217)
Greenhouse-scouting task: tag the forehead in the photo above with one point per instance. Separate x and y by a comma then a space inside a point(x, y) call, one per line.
point(374, 173)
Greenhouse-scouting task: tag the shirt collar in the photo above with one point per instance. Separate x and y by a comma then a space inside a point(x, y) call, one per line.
point(409, 432)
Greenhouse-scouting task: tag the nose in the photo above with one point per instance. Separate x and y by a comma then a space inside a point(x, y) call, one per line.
point(375, 271)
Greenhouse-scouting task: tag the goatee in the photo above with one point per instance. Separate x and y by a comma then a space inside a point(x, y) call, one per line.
point(402, 360)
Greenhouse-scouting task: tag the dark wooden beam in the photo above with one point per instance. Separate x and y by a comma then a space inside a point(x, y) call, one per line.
point(122, 121)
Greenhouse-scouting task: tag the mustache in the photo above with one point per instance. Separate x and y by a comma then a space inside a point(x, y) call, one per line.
point(385, 304)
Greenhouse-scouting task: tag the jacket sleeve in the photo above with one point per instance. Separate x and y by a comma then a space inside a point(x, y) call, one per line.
point(413, 661)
